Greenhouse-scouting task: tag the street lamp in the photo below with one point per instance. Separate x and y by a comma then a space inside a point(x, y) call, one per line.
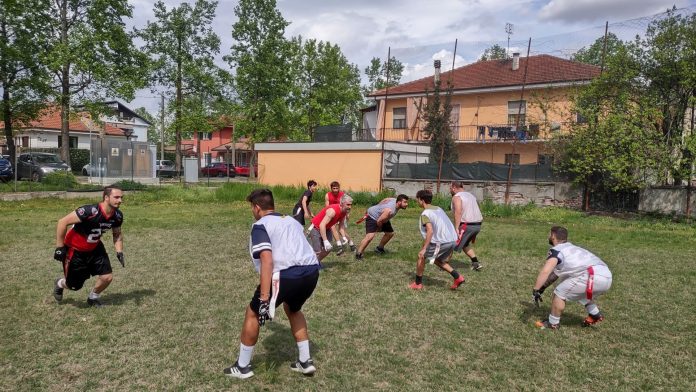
point(129, 133)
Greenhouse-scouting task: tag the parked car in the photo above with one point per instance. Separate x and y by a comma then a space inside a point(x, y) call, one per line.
point(93, 171)
point(165, 168)
point(35, 165)
point(6, 172)
point(243, 170)
point(219, 169)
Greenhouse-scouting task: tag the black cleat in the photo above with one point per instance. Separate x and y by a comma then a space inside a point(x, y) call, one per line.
point(94, 303)
point(358, 256)
point(237, 371)
point(307, 368)
point(476, 266)
point(57, 291)
point(380, 251)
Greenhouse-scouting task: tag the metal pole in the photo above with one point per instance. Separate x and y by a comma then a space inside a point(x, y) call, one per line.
point(162, 130)
point(384, 123)
point(442, 148)
point(132, 158)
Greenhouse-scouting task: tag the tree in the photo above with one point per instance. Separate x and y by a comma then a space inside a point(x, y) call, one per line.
point(23, 80)
point(495, 52)
point(326, 89)
point(438, 126)
point(261, 57)
point(153, 131)
point(382, 74)
point(183, 45)
point(90, 55)
point(595, 52)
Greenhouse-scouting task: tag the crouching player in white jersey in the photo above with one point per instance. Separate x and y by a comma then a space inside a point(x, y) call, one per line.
point(289, 272)
point(583, 277)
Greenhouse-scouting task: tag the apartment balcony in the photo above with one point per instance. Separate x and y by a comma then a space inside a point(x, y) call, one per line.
point(466, 133)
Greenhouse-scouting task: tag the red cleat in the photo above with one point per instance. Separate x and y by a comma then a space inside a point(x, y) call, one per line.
point(415, 286)
point(457, 282)
point(592, 320)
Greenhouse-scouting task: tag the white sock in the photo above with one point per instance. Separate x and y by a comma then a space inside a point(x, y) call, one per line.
point(303, 347)
point(592, 309)
point(553, 319)
point(61, 283)
point(245, 353)
point(93, 295)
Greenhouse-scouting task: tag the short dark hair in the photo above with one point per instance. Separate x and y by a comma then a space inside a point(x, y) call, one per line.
point(311, 183)
point(425, 195)
point(262, 198)
point(401, 197)
point(334, 183)
point(457, 184)
point(560, 232)
point(109, 189)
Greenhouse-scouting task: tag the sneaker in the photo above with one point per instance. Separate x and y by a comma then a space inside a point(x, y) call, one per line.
point(476, 266)
point(358, 256)
point(457, 282)
point(340, 250)
point(306, 368)
point(592, 320)
point(546, 325)
point(57, 291)
point(94, 302)
point(237, 371)
point(380, 251)
point(415, 286)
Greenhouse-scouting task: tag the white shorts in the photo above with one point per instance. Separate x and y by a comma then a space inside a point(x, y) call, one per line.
point(574, 288)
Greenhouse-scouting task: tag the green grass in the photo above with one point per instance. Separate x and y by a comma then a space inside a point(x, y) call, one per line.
point(176, 309)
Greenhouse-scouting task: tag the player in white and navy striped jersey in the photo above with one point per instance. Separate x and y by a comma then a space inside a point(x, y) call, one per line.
point(289, 272)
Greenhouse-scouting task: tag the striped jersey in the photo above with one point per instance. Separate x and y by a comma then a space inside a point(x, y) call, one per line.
point(283, 236)
point(443, 229)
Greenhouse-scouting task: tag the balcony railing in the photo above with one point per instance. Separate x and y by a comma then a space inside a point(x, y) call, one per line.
point(465, 133)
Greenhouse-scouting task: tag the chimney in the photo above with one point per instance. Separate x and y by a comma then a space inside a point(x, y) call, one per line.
point(515, 61)
point(437, 71)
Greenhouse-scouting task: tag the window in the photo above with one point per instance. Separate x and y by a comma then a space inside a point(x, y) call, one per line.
point(399, 118)
point(205, 135)
point(25, 141)
point(207, 158)
point(72, 139)
point(517, 108)
point(544, 159)
point(514, 158)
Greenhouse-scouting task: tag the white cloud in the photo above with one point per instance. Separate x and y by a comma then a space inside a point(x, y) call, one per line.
point(575, 11)
point(425, 69)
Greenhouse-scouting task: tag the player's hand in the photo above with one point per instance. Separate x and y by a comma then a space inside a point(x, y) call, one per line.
point(60, 253)
point(327, 246)
point(536, 297)
point(121, 259)
point(264, 309)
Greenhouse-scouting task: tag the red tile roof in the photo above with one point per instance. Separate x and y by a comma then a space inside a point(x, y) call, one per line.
point(80, 123)
point(542, 69)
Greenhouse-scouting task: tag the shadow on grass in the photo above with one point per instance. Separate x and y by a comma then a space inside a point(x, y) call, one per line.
point(531, 313)
point(280, 346)
point(115, 299)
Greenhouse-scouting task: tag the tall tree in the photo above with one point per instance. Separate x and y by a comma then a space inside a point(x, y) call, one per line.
point(90, 54)
point(326, 89)
point(183, 46)
point(261, 58)
point(24, 81)
point(495, 52)
point(595, 52)
point(382, 74)
point(438, 126)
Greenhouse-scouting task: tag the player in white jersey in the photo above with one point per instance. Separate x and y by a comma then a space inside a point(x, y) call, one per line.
point(378, 218)
point(467, 221)
point(289, 271)
point(439, 240)
point(582, 277)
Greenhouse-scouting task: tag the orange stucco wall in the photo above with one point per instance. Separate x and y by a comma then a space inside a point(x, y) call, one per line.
point(355, 170)
point(495, 152)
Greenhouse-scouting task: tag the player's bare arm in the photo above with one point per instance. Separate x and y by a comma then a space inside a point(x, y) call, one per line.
point(305, 208)
point(62, 227)
point(426, 240)
point(384, 216)
point(330, 213)
point(457, 211)
point(326, 200)
point(266, 257)
point(118, 239)
point(545, 272)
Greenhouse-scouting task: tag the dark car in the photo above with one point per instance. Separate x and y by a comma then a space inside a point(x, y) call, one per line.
point(218, 169)
point(6, 173)
point(243, 170)
point(35, 165)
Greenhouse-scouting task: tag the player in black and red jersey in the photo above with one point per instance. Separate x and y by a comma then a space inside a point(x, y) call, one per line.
point(81, 250)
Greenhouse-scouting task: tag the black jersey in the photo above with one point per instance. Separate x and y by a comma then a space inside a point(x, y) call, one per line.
point(85, 236)
point(307, 193)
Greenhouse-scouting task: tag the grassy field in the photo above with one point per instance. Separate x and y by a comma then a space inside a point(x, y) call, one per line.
point(176, 309)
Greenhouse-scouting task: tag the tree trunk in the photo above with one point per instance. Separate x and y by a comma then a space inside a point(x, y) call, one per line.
point(177, 119)
point(586, 198)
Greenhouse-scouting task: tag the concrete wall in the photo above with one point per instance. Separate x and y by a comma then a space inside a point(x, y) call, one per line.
point(494, 152)
point(666, 201)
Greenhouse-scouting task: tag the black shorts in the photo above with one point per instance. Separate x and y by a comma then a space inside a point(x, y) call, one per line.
point(298, 214)
point(79, 266)
point(293, 292)
point(371, 226)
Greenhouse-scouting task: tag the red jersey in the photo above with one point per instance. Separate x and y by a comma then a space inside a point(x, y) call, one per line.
point(85, 236)
point(334, 199)
point(316, 221)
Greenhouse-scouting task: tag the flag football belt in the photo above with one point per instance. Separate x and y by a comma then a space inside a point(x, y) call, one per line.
point(275, 289)
point(361, 220)
point(590, 283)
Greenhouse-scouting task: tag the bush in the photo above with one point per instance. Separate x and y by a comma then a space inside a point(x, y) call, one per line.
point(128, 185)
point(78, 158)
point(63, 179)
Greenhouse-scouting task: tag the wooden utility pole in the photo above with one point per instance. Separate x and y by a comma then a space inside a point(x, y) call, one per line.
point(442, 147)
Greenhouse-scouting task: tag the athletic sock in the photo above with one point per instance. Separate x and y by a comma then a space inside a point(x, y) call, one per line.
point(474, 259)
point(419, 279)
point(553, 319)
point(93, 295)
point(245, 353)
point(454, 274)
point(592, 309)
point(61, 283)
point(303, 348)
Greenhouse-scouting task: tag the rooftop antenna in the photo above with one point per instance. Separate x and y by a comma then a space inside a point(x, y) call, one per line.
point(508, 30)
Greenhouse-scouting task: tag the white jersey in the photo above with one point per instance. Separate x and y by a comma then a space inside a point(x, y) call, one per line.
point(573, 260)
point(283, 236)
point(443, 229)
point(470, 209)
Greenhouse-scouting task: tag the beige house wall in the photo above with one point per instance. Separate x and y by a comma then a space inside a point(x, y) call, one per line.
point(355, 170)
point(495, 152)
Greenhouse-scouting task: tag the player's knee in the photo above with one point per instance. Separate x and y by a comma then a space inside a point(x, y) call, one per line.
point(106, 278)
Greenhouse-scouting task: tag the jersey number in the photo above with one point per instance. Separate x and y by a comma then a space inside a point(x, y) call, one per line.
point(95, 236)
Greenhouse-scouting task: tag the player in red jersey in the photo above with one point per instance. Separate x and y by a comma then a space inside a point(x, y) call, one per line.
point(320, 234)
point(81, 250)
point(334, 197)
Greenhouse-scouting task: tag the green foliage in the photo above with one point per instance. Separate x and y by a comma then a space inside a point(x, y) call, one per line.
point(382, 74)
point(128, 185)
point(62, 179)
point(495, 52)
point(593, 53)
point(438, 126)
point(78, 158)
